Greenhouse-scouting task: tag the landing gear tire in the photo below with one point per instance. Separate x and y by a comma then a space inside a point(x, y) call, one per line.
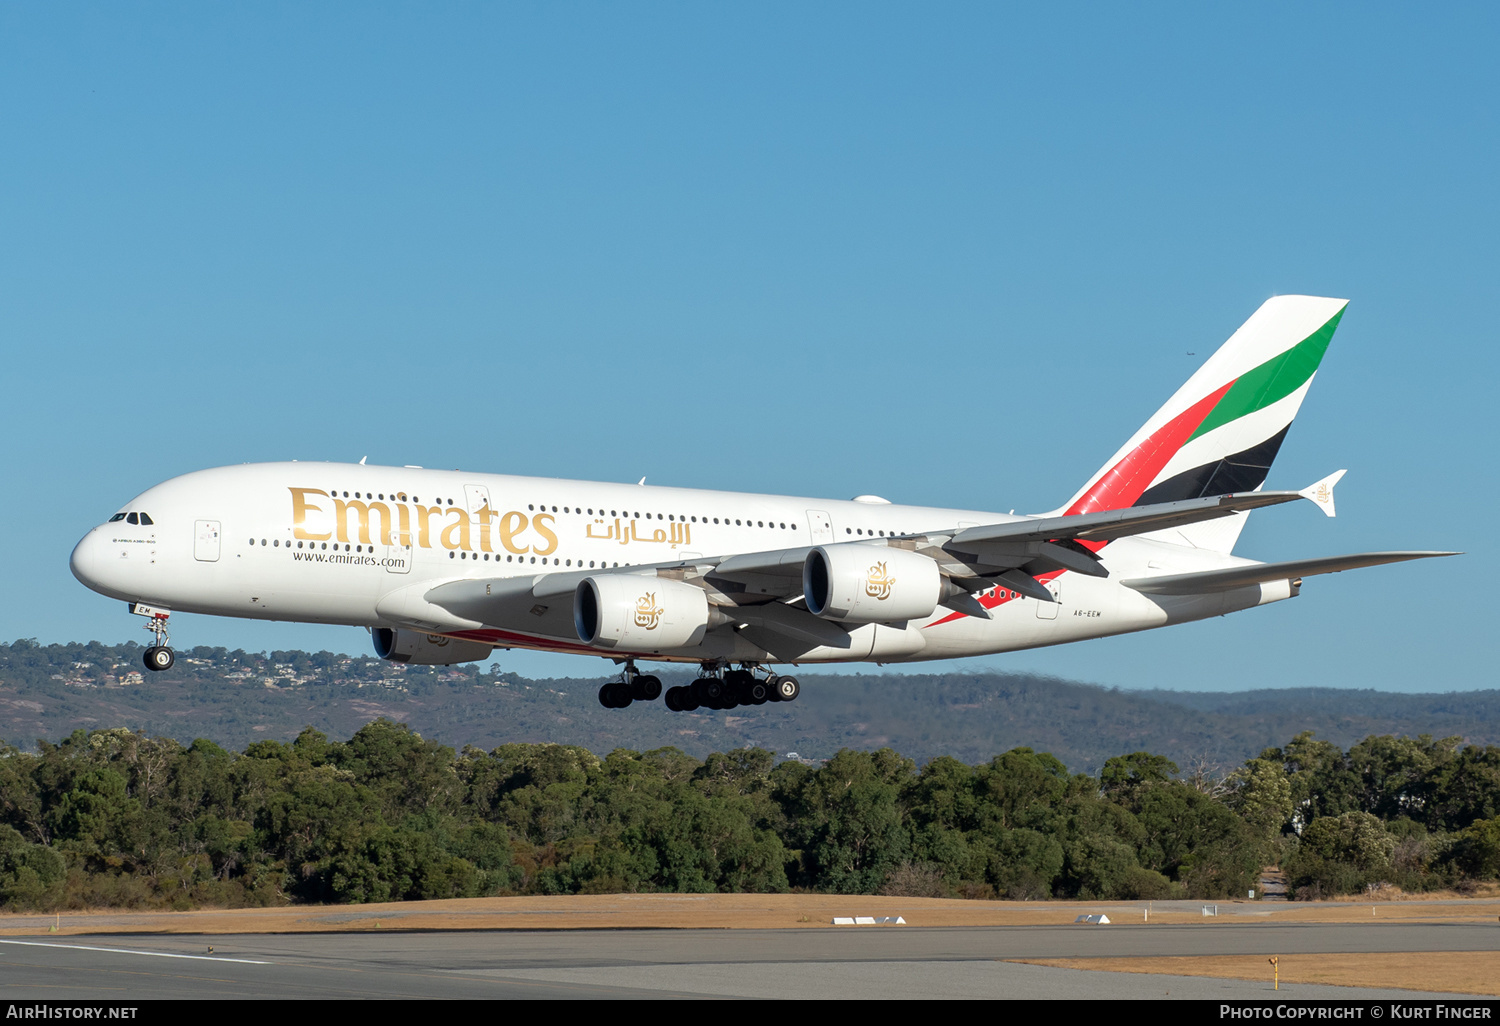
point(738, 678)
point(645, 688)
point(709, 691)
point(614, 695)
point(158, 658)
point(784, 689)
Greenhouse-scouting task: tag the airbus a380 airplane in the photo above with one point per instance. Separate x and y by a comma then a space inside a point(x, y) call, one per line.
point(443, 567)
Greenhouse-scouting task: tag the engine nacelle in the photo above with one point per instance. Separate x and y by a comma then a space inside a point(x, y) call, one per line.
point(640, 614)
point(420, 649)
point(868, 584)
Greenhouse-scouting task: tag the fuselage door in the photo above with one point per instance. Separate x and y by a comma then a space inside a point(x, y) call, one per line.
point(1048, 610)
point(476, 497)
point(206, 541)
point(398, 559)
point(819, 527)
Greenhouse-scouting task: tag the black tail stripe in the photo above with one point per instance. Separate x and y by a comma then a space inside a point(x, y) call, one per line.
point(1240, 472)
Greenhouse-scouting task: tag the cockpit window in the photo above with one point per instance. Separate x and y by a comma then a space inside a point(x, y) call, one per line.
point(146, 519)
point(134, 518)
point(117, 516)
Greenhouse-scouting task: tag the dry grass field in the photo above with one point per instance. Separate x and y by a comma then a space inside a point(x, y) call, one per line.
point(1456, 972)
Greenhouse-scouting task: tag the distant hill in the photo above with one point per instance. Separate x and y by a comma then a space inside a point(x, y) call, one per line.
point(234, 698)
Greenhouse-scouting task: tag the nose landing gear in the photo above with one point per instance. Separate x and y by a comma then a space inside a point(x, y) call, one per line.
point(159, 656)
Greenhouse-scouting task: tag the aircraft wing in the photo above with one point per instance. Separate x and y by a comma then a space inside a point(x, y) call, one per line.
point(1107, 525)
point(535, 604)
point(1256, 573)
point(762, 591)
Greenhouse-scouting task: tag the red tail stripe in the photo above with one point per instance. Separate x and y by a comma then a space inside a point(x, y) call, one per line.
point(1124, 482)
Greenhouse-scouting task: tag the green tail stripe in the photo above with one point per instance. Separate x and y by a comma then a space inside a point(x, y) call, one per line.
point(1275, 379)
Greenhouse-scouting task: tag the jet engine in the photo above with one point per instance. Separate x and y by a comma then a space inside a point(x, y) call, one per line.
point(420, 649)
point(641, 614)
point(866, 584)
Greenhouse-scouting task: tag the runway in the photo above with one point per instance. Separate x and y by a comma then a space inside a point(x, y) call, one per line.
point(795, 964)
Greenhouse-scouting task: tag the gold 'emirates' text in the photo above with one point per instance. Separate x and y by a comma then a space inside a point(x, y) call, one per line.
point(401, 523)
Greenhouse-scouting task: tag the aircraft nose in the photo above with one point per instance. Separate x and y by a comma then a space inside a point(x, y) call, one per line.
point(85, 560)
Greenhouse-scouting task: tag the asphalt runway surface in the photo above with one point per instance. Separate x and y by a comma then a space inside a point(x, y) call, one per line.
point(877, 963)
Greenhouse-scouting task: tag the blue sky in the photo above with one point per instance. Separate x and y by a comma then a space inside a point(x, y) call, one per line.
point(950, 254)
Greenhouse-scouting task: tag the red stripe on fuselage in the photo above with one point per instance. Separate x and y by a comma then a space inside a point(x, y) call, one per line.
point(491, 636)
point(1002, 596)
point(495, 636)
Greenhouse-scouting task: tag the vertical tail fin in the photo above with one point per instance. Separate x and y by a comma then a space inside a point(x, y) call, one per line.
point(1221, 430)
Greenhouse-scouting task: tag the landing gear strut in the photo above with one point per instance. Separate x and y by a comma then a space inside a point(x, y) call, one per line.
point(633, 686)
point(159, 656)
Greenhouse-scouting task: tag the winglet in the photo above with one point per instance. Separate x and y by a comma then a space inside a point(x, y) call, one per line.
point(1321, 492)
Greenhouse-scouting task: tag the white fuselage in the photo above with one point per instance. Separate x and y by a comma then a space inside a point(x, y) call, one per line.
point(359, 545)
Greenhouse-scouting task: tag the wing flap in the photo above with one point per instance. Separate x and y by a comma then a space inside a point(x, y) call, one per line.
point(792, 622)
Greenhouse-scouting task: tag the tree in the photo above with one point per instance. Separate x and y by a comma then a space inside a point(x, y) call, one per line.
point(1124, 777)
point(1322, 783)
point(847, 819)
point(31, 875)
point(1397, 773)
point(1261, 794)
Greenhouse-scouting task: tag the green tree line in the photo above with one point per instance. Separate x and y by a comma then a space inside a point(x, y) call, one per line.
point(118, 819)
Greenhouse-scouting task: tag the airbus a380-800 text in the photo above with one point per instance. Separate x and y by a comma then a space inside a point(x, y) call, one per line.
point(443, 567)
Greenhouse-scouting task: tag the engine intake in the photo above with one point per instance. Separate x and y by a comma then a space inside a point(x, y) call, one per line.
point(868, 584)
point(418, 649)
point(641, 614)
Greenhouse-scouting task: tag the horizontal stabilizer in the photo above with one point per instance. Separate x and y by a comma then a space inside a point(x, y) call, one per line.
point(1321, 492)
point(1257, 573)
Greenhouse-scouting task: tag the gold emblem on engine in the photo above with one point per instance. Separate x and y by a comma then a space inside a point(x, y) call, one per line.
point(878, 582)
point(647, 612)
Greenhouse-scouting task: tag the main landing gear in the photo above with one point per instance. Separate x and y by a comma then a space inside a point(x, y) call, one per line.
point(632, 686)
point(718, 688)
point(159, 656)
point(726, 689)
